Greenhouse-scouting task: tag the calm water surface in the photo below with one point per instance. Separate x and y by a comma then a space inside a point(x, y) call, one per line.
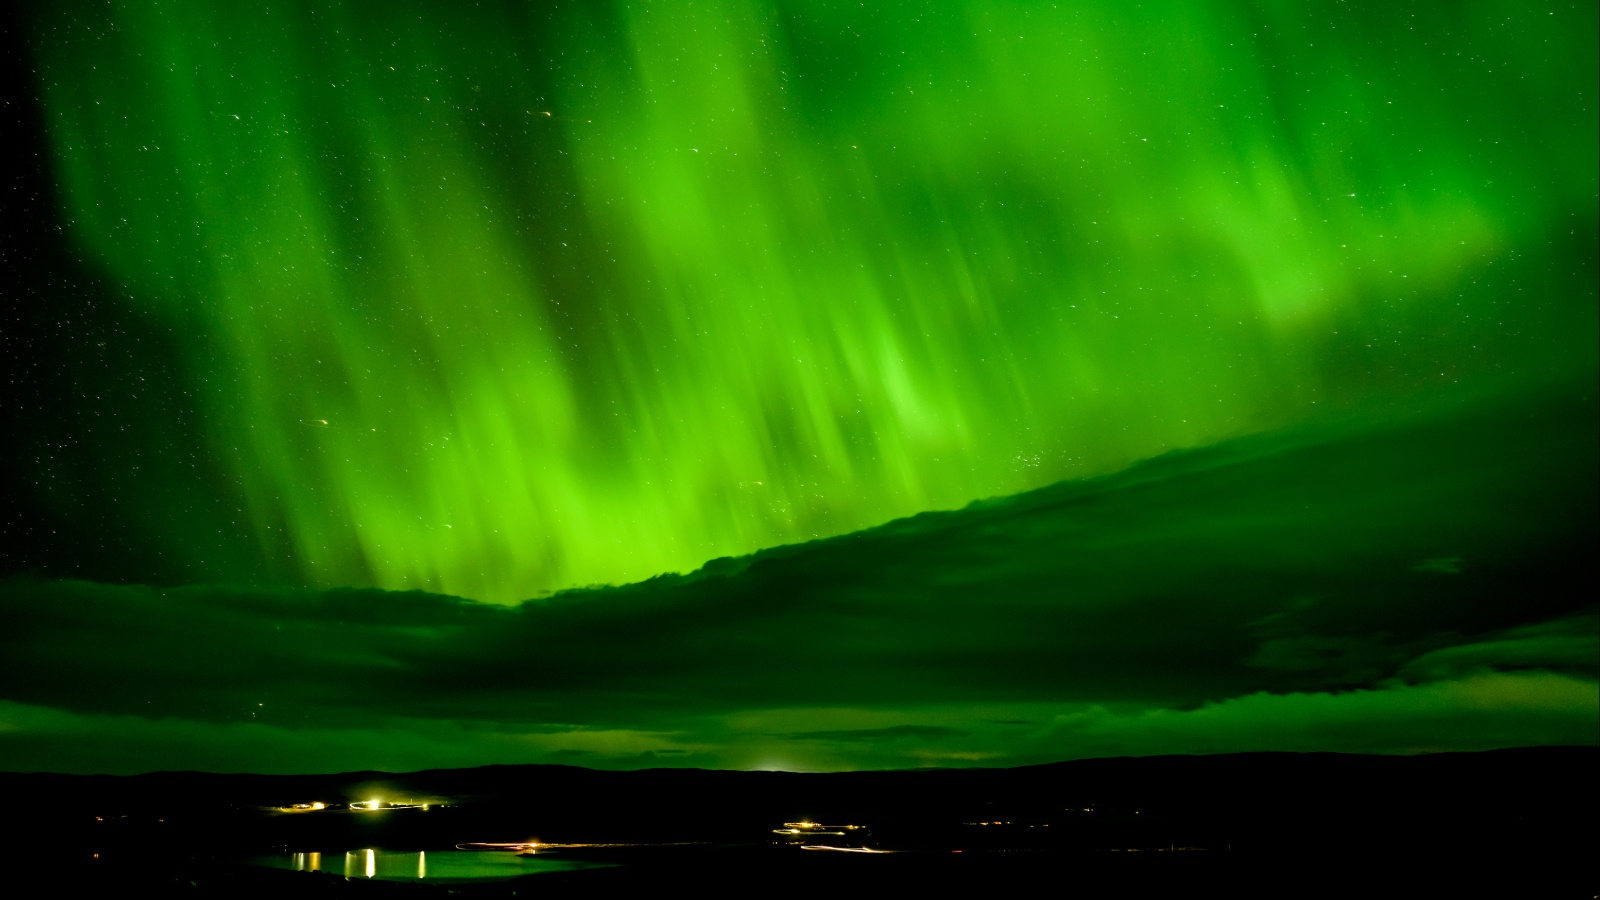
point(426, 865)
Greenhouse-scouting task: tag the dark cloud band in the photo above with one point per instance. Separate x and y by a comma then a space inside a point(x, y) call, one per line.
point(1302, 563)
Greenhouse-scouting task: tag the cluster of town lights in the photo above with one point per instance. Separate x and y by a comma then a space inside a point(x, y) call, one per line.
point(808, 829)
point(380, 806)
point(373, 805)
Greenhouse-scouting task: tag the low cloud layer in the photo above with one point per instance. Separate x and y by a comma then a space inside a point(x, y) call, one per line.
point(1420, 581)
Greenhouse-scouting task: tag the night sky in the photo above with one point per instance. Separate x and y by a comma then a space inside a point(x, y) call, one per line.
point(801, 385)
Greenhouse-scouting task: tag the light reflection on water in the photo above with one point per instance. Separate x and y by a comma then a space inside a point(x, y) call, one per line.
point(428, 865)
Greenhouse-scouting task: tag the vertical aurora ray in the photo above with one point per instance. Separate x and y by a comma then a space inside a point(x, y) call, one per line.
point(502, 302)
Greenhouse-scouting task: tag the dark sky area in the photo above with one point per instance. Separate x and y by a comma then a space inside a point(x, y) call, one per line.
point(781, 386)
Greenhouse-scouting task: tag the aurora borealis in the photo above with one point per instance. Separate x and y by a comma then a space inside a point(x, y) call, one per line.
point(462, 338)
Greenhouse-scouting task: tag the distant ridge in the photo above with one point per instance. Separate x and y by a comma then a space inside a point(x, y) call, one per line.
point(1131, 775)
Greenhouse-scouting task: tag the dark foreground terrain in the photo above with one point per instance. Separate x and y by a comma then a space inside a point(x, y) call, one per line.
point(1512, 823)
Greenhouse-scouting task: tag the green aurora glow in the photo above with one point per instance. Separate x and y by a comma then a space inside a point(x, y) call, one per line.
point(847, 385)
point(559, 294)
